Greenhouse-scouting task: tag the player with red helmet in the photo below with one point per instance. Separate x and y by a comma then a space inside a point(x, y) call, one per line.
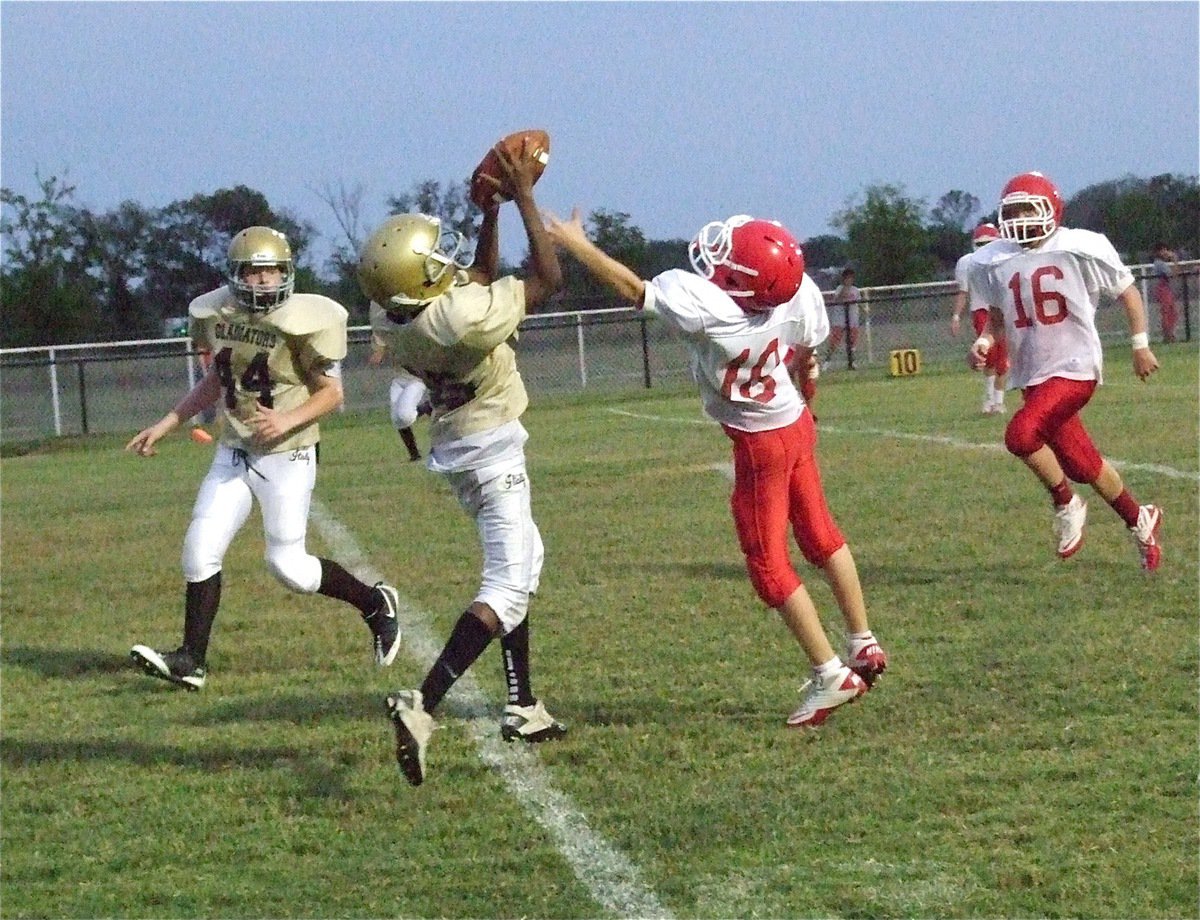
point(997, 360)
point(747, 311)
point(1043, 282)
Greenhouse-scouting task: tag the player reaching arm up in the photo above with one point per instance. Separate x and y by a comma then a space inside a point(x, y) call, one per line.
point(745, 309)
point(451, 327)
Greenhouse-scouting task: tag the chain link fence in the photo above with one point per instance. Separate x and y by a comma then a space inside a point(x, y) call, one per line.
point(123, 386)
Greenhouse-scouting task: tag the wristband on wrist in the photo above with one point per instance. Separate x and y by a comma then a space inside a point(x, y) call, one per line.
point(1140, 340)
point(983, 343)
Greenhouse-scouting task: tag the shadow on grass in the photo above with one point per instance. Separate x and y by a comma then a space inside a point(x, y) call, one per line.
point(315, 775)
point(64, 663)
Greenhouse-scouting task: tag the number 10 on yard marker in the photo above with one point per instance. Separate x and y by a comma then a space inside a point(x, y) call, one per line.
point(905, 362)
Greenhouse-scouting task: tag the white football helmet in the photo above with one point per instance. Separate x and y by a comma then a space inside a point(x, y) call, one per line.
point(261, 247)
point(410, 260)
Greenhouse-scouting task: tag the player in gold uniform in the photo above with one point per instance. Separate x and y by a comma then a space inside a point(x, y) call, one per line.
point(276, 370)
point(452, 329)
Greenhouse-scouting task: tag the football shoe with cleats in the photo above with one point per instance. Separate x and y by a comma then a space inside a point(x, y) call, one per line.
point(413, 727)
point(178, 666)
point(384, 625)
point(822, 697)
point(867, 659)
point(1145, 535)
point(531, 724)
point(1068, 526)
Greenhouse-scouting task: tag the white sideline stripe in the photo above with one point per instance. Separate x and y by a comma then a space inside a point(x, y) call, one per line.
point(611, 879)
point(1155, 468)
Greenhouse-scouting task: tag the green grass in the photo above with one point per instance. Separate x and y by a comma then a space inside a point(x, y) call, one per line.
point(1031, 752)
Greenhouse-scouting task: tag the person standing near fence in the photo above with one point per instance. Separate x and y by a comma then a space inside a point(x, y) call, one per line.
point(1043, 282)
point(453, 328)
point(749, 313)
point(996, 369)
point(1163, 291)
point(276, 370)
point(844, 319)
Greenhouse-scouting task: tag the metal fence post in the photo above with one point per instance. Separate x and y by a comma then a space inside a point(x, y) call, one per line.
point(82, 397)
point(579, 345)
point(57, 409)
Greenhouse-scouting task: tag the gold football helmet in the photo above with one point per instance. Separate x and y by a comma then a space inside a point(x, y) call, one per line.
point(260, 246)
point(410, 260)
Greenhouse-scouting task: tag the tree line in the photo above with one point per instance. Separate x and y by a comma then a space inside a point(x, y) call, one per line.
point(73, 275)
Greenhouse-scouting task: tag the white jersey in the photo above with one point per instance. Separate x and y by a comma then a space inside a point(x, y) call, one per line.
point(975, 300)
point(737, 358)
point(1049, 296)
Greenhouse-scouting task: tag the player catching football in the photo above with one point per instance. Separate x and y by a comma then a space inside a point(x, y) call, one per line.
point(275, 372)
point(746, 308)
point(1043, 282)
point(451, 328)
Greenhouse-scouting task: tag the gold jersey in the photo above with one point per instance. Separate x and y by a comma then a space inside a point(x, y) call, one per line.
point(270, 358)
point(459, 346)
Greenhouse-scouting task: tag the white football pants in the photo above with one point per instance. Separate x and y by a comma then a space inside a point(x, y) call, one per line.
point(283, 484)
point(512, 545)
point(405, 395)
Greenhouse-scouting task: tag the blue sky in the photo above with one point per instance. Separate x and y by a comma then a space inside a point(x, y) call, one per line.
point(676, 113)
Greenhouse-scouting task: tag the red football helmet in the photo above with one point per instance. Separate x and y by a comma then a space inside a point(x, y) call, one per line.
point(1031, 208)
point(984, 234)
point(756, 262)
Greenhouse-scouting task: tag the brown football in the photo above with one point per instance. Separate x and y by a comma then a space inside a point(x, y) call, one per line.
point(486, 194)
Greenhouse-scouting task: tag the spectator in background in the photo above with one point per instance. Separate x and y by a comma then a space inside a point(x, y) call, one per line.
point(996, 368)
point(1163, 293)
point(845, 319)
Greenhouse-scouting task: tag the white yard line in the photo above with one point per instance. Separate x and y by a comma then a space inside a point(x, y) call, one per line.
point(611, 879)
point(1154, 468)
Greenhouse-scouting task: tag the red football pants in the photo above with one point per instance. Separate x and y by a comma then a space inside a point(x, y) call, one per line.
point(776, 482)
point(997, 356)
point(1050, 415)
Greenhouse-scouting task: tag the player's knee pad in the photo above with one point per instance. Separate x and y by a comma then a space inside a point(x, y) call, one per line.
point(510, 606)
point(293, 568)
point(201, 558)
point(774, 584)
point(817, 552)
point(1021, 437)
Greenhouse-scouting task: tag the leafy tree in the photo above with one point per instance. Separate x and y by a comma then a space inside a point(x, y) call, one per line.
point(46, 295)
point(451, 203)
point(955, 209)
point(1136, 213)
point(886, 236)
point(825, 251)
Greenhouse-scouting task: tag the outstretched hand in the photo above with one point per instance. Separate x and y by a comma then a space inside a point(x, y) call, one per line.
point(565, 232)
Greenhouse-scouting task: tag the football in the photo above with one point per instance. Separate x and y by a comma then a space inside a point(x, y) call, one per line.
point(486, 194)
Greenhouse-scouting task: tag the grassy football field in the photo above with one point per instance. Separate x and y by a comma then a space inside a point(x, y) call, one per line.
point(1032, 751)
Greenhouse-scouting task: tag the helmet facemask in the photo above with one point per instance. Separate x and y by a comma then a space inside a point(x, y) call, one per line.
point(410, 261)
point(721, 250)
point(1026, 218)
point(260, 247)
